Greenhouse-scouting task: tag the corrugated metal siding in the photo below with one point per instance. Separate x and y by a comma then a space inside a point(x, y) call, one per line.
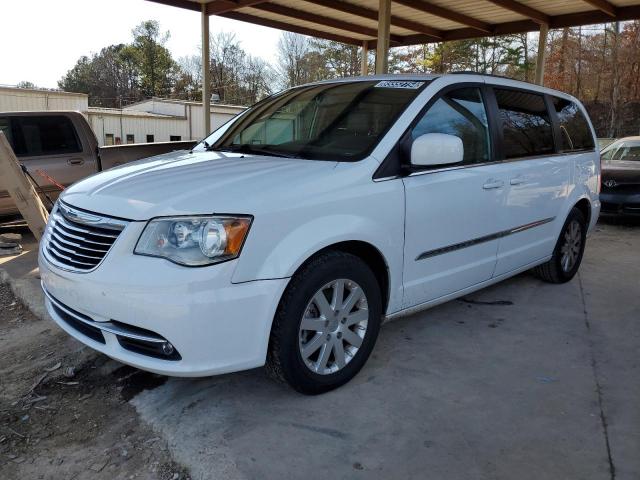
point(339, 15)
point(18, 99)
point(302, 23)
point(484, 11)
point(190, 127)
point(123, 125)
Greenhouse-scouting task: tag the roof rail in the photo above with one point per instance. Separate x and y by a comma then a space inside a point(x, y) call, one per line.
point(471, 72)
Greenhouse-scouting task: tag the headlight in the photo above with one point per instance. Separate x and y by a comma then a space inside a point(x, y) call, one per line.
point(194, 241)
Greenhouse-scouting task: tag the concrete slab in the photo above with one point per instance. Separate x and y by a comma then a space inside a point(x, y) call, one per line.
point(522, 380)
point(466, 390)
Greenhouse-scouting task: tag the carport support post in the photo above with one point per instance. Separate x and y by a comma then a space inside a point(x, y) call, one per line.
point(206, 74)
point(365, 59)
point(542, 48)
point(382, 45)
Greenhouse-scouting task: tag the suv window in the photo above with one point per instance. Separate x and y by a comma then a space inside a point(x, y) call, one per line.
point(46, 135)
point(461, 113)
point(575, 133)
point(526, 127)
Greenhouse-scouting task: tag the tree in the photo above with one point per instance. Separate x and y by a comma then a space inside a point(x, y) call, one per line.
point(188, 83)
point(110, 77)
point(157, 67)
point(339, 60)
point(237, 77)
point(298, 61)
point(26, 84)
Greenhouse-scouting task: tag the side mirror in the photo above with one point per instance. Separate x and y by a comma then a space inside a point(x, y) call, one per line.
point(436, 149)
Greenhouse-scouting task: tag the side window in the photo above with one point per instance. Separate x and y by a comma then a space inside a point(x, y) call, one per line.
point(46, 135)
point(526, 127)
point(461, 113)
point(575, 133)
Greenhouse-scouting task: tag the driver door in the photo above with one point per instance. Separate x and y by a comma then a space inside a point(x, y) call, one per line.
point(453, 212)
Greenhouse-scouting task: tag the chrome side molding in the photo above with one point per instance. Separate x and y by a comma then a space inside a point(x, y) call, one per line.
point(486, 238)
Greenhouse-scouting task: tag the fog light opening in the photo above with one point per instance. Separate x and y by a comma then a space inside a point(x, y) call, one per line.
point(167, 349)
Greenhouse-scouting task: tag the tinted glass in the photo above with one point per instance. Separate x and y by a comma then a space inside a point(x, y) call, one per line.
point(526, 126)
point(628, 152)
point(575, 133)
point(460, 113)
point(46, 135)
point(332, 121)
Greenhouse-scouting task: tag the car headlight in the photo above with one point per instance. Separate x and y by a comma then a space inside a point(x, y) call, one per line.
point(194, 241)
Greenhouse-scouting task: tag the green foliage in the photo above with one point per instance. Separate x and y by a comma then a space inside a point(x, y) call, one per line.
point(156, 67)
point(26, 84)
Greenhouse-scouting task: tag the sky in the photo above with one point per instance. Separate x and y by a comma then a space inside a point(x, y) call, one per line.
point(41, 39)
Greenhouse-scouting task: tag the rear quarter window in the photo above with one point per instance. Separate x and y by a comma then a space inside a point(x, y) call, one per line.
point(575, 133)
point(526, 126)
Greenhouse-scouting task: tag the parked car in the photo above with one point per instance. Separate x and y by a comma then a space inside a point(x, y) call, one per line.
point(620, 193)
point(63, 147)
point(290, 233)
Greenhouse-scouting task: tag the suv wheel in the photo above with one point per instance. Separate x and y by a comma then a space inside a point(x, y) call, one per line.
point(568, 252)
point(326, 324)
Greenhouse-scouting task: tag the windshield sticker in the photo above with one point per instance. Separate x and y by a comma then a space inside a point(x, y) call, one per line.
point(399, 84)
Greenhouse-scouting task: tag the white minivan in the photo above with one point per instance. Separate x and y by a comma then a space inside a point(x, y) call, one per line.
point(288, 235)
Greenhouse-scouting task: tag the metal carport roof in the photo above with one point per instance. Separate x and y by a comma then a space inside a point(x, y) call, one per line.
point(381, 24)
point(415, 21)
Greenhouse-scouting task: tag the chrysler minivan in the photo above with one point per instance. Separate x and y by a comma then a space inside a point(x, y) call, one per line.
point(288, 235)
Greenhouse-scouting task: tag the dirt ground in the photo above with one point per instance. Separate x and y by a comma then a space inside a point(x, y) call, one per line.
point(64, 410)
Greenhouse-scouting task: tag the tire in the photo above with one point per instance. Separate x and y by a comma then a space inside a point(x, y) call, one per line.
point(308, 356)
point(557, 269)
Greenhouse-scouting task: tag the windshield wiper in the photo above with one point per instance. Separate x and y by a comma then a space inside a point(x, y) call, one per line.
point(245, 148)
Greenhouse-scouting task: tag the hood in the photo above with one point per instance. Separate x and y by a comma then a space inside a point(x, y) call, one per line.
point(184, 183)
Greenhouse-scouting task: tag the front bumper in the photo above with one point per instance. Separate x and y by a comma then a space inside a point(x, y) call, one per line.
point(215, 325)
point(621, 203)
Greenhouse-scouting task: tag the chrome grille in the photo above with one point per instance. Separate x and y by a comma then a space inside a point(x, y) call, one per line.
point(77, 240)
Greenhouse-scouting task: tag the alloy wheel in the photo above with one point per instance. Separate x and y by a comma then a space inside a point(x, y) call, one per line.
point(570, 250)
point(333, 326)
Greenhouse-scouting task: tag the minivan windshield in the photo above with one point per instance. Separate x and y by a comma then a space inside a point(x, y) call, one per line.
point(329, 121)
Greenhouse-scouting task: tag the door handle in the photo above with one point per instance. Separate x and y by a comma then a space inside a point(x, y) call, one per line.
point(75, 161)
point(491, 183)
point(519, 180)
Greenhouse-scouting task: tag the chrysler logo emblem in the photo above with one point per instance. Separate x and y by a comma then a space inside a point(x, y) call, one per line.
point(77, 216)
point(610, 183)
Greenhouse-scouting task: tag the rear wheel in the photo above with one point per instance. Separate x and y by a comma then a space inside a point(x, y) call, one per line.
point(326, 324)
point(567, 255)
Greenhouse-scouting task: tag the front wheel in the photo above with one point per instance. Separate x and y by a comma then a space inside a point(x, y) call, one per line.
point(326, 324)
point(568, 252)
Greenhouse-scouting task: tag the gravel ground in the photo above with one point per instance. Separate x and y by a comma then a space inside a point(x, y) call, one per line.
point(64, 410)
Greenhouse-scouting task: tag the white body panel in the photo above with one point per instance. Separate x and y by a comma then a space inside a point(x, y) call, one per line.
point(441, 234)
point(445, 209)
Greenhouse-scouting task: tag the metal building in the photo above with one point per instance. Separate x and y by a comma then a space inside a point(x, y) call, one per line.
point(154, 120)
point(13, 99)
